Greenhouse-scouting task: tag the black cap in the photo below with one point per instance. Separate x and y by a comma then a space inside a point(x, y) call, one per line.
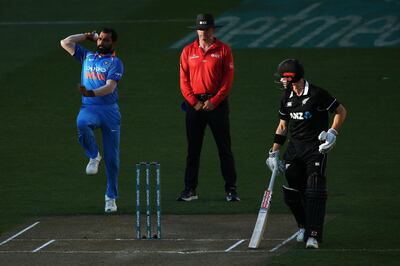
point(205, 21)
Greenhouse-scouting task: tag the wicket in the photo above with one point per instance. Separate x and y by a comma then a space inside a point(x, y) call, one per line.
point(148, 166)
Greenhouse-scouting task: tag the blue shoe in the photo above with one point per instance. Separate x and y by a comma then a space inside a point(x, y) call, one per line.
point(232, 196)
point(188, 195)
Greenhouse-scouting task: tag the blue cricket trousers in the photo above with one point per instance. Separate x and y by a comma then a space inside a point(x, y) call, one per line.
point(108, 119)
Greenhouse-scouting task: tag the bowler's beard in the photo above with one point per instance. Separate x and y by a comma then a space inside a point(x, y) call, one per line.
point(104, 50)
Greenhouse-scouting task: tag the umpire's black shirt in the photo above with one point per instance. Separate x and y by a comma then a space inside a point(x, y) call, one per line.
point(307, 114)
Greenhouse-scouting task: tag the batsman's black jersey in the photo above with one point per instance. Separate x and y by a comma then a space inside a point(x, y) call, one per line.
point(307, 114)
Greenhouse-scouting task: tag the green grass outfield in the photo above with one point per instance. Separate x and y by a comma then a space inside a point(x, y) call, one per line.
point(42, 165)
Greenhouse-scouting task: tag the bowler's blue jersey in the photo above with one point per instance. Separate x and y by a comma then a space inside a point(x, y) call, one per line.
point(96, 70)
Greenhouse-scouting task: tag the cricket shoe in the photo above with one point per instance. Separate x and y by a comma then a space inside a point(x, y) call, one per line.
point(110, 205)
point(188, 195)
point(232, 196)
point(300, 235)
point(312, 243)
point(93, 166)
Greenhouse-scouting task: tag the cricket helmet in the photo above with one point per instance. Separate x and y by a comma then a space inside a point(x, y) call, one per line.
point(291, 68)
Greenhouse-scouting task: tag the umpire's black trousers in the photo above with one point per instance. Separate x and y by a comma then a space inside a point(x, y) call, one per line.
point(218, 121)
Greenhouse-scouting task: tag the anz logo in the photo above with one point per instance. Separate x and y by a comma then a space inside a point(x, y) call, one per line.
point(300, 115)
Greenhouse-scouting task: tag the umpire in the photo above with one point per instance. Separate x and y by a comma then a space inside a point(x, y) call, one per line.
point(304, 113)
point(206, 77)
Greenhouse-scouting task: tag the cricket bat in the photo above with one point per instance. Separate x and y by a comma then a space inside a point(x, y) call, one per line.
point(259, 228)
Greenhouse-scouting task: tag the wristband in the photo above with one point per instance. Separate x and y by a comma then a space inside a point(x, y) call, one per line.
point(90, 93)
point(333, 131)
point(279, 139)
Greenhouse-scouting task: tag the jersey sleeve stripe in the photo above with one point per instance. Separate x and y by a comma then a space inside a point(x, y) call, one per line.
point(331, 104)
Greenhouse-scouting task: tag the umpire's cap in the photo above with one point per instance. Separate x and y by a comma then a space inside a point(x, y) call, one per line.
point(205, 21)
point(291, 68)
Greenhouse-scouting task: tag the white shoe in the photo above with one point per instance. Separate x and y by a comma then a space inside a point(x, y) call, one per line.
point(300, 235)
point(93, 166)
point(312, 243)
point(110, 205)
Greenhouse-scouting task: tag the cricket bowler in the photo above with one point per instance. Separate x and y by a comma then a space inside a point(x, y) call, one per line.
point(101, 72)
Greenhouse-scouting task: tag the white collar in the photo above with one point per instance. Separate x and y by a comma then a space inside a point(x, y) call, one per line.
point(305, 91)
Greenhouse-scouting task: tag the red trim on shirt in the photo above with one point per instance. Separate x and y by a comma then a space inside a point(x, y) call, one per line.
point(206, 72)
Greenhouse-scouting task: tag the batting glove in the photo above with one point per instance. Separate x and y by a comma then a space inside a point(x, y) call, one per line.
point(273, 162)
point(328, 139)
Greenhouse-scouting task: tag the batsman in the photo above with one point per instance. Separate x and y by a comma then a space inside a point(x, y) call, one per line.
point(304, 116)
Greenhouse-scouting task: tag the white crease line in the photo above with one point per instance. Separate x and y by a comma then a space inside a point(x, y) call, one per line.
point(22, 23)
point(234, 245)
point(182, 252)
point(284, 242)
point(19, 233)
point(189, 252)
point(134, 239)
point(43, 246)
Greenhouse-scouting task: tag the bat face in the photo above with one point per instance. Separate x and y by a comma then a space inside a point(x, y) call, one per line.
point(261, 220)
point(259, 228)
